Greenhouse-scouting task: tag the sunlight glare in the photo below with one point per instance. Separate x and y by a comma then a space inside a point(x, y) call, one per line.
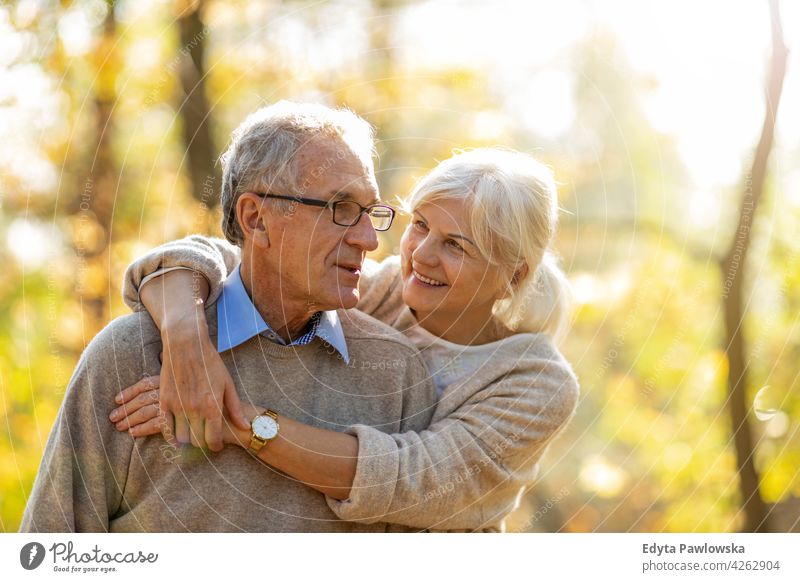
point(30, 243)
point(599, 476)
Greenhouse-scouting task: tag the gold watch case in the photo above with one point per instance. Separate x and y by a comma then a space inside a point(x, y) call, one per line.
point(263, 429)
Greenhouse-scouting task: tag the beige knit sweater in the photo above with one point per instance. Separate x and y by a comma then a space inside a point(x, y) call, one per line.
point(93, 478)
point(468, 469)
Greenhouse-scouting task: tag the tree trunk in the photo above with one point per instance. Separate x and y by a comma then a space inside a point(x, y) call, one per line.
point(94, 205)
point(733, 267)
point(201, 166)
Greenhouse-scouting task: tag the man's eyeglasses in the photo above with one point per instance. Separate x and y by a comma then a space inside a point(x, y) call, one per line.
point(346, 212)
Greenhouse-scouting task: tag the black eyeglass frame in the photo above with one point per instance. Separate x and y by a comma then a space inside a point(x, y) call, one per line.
point(332, 206)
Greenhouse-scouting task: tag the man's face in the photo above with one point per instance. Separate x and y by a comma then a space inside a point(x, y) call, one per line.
point(318, 261)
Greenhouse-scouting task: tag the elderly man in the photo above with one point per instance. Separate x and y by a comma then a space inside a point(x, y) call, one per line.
point(298, 180)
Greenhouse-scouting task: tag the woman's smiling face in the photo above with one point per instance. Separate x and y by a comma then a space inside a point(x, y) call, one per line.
point(445, 277)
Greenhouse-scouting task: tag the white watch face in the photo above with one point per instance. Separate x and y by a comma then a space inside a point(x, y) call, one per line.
point(265, 427)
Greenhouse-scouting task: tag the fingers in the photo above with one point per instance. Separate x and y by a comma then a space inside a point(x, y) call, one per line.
point(151, 427)
point(213, 436)
point(206, 426)
point(142, 415)
point(168, 427)
point(197, 431)
point(234, 407)
point(182, 429)
point(143, 385)
point(126, 410)
point(194, 390)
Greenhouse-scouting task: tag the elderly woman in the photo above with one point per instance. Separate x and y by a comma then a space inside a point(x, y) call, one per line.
point(476, 290)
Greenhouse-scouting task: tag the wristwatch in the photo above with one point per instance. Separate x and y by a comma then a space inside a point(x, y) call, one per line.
point(263, 429)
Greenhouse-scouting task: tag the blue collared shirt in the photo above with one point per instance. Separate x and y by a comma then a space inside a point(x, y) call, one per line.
point(238, 320)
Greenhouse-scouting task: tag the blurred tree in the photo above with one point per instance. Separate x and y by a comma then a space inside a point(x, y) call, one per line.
point(734, 272)
point(94, 205)
point(202, 168)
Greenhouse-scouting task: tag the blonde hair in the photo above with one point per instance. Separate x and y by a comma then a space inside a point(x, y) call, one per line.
point(513, 215)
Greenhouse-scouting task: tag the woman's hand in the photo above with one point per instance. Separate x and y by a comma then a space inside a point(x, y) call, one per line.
point(195, 392)
point(195, 384)
point(139, 413)
point(196, 388)
point(323, 459)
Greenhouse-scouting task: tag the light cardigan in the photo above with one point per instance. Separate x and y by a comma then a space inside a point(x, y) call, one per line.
point(468, 470)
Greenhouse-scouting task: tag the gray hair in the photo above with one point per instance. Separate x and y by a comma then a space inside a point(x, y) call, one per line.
point(513, 209)
point(262, 154)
